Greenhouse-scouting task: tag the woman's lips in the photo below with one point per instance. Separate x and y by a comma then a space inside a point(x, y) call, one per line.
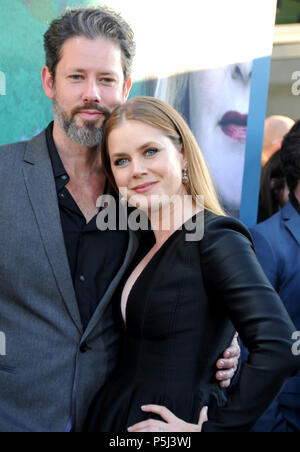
point(234, 125)
point(144, 188)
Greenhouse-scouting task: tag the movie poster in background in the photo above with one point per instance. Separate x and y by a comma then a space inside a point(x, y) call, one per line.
point(208, 58)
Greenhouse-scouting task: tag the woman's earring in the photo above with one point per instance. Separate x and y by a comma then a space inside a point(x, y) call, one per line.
point(185, 177)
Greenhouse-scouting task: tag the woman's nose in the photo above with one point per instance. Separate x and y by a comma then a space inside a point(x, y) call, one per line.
point(242, 71)
point(138, 168)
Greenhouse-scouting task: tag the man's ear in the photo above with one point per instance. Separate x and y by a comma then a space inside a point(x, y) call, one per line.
point(48, 82)
point(127, 88)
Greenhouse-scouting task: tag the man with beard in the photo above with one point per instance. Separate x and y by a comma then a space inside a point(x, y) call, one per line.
point(58, 272)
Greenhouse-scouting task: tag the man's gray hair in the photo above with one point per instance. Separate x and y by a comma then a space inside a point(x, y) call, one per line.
point(91, 23)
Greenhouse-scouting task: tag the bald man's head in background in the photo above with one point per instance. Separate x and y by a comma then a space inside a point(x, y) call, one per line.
point(276, 127)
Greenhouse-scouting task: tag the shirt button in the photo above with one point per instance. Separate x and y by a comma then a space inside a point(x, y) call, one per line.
point(64, 177)
point(62, 195)
point(82, 278)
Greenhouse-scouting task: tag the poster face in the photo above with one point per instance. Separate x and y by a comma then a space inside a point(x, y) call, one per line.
point(215, 103)
point(201, 57)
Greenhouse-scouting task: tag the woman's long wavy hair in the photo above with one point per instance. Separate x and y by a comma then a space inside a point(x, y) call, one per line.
point(162, 116)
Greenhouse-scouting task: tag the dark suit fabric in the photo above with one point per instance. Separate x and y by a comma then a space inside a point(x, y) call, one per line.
point(277, 243)
point(52, 368)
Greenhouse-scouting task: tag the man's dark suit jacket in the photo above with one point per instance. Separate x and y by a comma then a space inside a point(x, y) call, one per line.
point(52, 367)
point(277, 243)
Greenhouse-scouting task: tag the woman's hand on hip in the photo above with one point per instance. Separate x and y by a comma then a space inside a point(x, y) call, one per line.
point(171, 424)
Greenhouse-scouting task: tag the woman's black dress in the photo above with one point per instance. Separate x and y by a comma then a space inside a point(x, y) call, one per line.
point(181, 315)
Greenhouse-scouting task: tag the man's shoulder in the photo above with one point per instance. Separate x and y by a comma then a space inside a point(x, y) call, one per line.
point(271, 232)
point(13, 151)
point(13, 147)
point(11, 157)
point(270, 225)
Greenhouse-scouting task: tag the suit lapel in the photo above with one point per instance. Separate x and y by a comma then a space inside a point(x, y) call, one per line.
point(291, 220)
point(132, 248)
point(40, 184)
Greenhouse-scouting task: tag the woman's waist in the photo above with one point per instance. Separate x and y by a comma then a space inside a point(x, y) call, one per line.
point(159, 370)
point(182, 399)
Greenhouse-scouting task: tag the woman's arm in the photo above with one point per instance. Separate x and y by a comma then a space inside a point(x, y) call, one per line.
point(235, 281)
point(236, 284)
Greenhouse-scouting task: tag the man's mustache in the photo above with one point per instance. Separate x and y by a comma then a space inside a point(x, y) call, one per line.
point(95, 107)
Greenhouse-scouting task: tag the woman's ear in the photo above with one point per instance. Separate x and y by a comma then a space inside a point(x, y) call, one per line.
point(182, 152)
point(48, 82)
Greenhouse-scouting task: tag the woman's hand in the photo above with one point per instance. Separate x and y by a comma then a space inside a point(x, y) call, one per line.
point(171, 424)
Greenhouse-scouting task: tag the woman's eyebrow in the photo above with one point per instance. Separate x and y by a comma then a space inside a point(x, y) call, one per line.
point(140, 148)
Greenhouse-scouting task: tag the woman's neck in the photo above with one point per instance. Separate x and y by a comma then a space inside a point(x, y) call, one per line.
point(171, 217)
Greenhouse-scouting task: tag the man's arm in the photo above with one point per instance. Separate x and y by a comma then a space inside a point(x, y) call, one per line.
point(265, 255)
point(273, 420)
point(228, 364)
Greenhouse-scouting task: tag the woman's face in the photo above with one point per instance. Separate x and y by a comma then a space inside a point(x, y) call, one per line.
point(219, 105)
point(145, 164)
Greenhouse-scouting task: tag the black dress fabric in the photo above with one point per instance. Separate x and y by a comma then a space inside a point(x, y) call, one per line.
point(181, 314)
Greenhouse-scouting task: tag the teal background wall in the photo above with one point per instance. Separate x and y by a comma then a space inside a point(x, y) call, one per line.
point(24, 108)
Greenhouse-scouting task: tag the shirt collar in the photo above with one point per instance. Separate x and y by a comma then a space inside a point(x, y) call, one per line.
point(60, 174)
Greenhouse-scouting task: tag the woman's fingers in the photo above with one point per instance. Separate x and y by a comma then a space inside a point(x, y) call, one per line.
point(162, 411)
point(203, 415)
point(151, 425)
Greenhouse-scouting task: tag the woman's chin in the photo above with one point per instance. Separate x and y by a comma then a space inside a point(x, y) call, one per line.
point(148, 204)
point(140, 202)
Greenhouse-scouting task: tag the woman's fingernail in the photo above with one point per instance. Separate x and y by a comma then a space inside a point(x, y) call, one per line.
point(222, 363)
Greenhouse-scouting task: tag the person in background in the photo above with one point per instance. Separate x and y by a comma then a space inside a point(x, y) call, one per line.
point(276, 127)
point(274, 192)
point(277, 243)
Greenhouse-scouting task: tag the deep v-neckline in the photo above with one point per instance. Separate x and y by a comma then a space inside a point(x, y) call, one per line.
point(154, 257)
point(141, 275)
point(147, 266)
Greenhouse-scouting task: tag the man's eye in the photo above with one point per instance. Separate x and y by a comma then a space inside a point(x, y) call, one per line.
point(76, 77)
point(106, 80)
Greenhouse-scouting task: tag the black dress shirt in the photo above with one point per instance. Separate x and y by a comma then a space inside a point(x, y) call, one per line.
point(94, 256)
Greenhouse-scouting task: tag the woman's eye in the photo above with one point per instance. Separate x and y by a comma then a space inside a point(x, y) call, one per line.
point(151, 152)
point(121, 162)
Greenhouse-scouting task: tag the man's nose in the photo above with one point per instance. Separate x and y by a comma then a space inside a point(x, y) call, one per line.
point(91, 92)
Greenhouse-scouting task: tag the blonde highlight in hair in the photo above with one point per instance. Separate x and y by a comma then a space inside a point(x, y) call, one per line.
point(162, 116)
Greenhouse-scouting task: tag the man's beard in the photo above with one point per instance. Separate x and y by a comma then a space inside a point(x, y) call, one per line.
point(89, 135)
